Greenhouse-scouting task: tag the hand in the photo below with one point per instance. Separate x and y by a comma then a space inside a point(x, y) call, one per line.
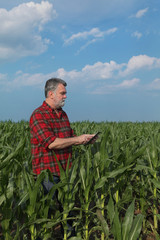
point(83, 139)
point(93, 139)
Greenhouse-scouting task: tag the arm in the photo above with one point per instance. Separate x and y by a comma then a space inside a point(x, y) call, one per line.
point(60, 143)
point(40, 129)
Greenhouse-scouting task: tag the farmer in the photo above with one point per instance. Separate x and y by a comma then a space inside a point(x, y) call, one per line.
point(51, 132)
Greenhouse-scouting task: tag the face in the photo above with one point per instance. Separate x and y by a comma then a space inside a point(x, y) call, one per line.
point(59, 96)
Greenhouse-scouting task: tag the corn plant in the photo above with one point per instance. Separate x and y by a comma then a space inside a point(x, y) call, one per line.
point(99, 188)
point(7, 188)
point(67, 189)
point(130, 227)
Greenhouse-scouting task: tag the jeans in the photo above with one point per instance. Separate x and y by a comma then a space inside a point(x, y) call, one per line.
point(48, 185)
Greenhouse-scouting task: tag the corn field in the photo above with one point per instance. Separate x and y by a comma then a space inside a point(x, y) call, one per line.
point(112, 188)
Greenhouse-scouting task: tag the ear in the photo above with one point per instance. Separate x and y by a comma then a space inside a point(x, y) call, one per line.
point(50, 94)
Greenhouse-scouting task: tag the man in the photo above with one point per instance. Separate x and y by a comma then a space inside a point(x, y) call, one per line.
point(51, 131)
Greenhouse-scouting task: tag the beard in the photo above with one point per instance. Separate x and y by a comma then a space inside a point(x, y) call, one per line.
point(60, 104)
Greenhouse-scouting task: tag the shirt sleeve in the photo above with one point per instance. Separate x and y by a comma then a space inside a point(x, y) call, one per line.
point(41, 130)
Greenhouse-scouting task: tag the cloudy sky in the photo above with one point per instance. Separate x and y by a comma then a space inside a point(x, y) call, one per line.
point(107, 51)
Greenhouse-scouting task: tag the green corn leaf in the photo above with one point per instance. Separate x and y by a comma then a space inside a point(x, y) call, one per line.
point(3, 155)
point(82, 175)
point(156, 183)
point(103, 144)
point(115, 173)
point(103, 222)
point(8, 194)
point(123, 144)
point(33, 188)
point(23, 198)
point(100, 183)
point(139, 153)
point(116, 228)
point(142, 167)
point(67, 167)
point(127, 222)
point(62, 172)
point(86, 193)
point(136, 227)
point(73, 172)
point(12, 155)
point(110, 209)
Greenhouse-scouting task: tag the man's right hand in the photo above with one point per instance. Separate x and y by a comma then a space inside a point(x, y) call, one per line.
point(83, 139)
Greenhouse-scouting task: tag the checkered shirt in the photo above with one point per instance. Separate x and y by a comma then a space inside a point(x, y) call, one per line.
point(45, 127)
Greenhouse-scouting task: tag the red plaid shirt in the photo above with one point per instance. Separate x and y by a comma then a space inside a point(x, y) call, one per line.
point(45, 126)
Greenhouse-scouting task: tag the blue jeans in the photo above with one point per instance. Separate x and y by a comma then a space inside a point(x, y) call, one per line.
point(47, 185)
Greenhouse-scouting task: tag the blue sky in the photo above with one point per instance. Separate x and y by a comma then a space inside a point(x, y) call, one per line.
point(107, 51)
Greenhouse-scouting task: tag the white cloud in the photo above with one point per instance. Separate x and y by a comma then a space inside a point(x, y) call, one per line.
point(96, 72)
point(26, 79)
point(139, 62)
point(155, 85)
point(94, 33)
point(20, 29)
point(140, 13)
point(72, 76)
point(101, 70)
point(137, 34)
point(129, 83)
point(110, 75)
point(86, 45)
point(110, 88)
point(91, 37)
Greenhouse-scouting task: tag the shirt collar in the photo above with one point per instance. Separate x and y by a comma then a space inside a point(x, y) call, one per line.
point(46, 105)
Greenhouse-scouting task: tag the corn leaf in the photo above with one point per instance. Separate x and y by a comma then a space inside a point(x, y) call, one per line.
point(136, 227)
point(127, 222)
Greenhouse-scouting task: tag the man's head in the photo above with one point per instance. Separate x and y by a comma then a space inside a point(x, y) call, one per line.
point(55, 92)
point(52, 84)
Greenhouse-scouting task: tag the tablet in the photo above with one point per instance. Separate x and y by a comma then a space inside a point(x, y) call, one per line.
point(93, 138)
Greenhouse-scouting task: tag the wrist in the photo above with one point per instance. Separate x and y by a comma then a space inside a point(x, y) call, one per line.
point(76, 141)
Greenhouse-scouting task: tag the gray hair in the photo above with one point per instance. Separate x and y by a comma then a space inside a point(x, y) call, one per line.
point(52, 84)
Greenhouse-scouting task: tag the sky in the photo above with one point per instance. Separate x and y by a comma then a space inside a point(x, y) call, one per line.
point(108, 52)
